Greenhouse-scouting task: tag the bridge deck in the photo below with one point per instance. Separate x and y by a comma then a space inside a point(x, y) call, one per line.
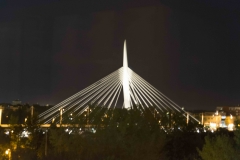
point(48, 125)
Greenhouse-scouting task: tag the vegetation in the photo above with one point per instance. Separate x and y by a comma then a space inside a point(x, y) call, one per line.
point(117, 134)
point(222, 145)
point(219, 147)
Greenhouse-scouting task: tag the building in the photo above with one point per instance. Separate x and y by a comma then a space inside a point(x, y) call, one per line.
point(223, 117)
point(16, 102)
point(234, 111)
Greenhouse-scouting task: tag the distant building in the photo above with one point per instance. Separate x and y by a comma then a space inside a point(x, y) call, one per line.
point(14, 108)
point(215, 120)
point(234, 111)
point(223, 117)
point(16, 102)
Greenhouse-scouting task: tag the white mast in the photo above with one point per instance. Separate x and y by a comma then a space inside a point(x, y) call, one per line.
point(125, 78)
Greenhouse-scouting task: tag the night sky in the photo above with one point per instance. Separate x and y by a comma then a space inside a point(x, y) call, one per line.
point(189, 50)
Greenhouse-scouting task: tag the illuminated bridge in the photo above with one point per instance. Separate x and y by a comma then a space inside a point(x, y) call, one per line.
point(122, 88)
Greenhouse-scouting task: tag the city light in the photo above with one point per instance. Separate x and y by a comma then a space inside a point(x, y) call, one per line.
point(230, 127)
point(7, 151)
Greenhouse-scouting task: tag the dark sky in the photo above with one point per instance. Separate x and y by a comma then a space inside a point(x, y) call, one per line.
point(189, 50)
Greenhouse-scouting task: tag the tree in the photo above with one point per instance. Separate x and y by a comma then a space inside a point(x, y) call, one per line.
point(5, 144)
point(24, 139)
point(218, 148)
point(182, 144)
point(237, 136)
point(120, 134)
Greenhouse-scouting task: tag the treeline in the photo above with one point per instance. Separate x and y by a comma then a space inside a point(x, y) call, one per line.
point(102, 134)
point(21, 112)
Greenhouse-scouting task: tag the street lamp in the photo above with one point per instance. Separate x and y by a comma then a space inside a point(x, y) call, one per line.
point(61, 112)
point(8, 152)
point(53, 119)
point(46, 145)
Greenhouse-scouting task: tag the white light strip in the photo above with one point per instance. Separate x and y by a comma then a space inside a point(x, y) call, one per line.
point(109, 90)
point(148, 95)
point(95, 94)
point(106, 80)
point(152, 94)
point(157, 92)
point(119, 85)
point(118, 97)
point(112, 92)
point(140, 96)
point(141, 87)
point(178, 108)
point(79, 93)
point(88, 100)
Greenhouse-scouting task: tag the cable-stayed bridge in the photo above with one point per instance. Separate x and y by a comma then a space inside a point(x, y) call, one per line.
point(122, 88)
